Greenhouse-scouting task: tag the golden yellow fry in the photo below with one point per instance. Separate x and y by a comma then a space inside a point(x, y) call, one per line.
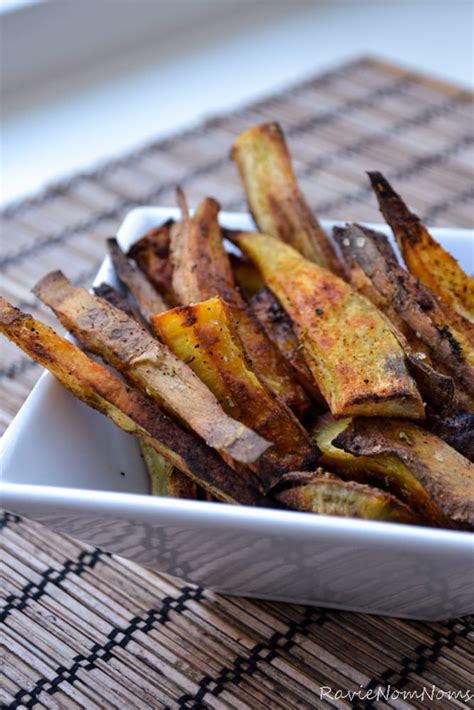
point(275, 200)
point(350, 348)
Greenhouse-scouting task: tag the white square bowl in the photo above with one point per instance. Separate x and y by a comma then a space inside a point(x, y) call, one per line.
point(68, 467)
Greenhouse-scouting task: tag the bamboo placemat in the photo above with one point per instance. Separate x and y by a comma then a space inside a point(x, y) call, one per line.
point(82, 628)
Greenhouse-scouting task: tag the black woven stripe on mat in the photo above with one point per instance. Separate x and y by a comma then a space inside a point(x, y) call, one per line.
point(103, 652)
point(447, 204)
point(168, 143)
point(199, 170)
point(422, 118)
point(423, 654)
point(34, 591)
point(409, 171)
point(247, 665)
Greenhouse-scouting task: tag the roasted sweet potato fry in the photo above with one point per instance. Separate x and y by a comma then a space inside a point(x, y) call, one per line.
point(349, 347)
point(381, 470)
point(149, 365)
point(447, 476)
point(279, 328)
point(128, 409)
point(328, 496)
point(204, 336)
point(201, 270)
point(424, 256)
point(151, 254)
point(275, 200)
point(412, 301)
point(146, 296)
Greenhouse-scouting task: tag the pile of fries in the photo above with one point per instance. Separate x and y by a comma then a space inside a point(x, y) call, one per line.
point(293, 371)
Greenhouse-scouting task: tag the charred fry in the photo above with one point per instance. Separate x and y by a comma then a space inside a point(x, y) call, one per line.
point(382, 470)
point(146, 363)
point(424, 256)
point(151, 254)
point(204, 336)
point(456, 430)
point(275, 200)
point(352, 352)
point(447, 476)
point(328, 496)
point(202, 270)
point(412, 301)
point(147, 298)
point(128, 409)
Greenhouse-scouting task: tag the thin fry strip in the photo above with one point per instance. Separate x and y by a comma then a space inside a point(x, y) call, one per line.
point(275, 200)
point(424, 256)
point(148, 364)
point(147, 298)
point(128, 409)
point(151, 255)
point(351, 350)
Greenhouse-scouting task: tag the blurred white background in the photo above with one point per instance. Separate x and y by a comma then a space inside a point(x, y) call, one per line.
point(83, 80)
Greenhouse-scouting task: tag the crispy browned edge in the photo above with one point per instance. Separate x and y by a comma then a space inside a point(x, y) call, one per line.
point(456, 288)
point(147, 364)
point(334, 496)
point(201, 270)
point(284, 200)
point(146, 296)
point(101, 389)
point(447, 476)
point(151, 254)
point(412, 301)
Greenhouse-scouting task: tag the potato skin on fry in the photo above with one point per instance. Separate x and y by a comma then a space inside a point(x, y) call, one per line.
point(147, 298)
point(379, 469)
point(413, 302)
point(151, 254)
point(201, 270)
point(204, 337)
point(424, 256)
point(148, 364)
point(128, 409)
point(275, 200)
point(352, 352)
point(447, 476)
point(347, 499)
